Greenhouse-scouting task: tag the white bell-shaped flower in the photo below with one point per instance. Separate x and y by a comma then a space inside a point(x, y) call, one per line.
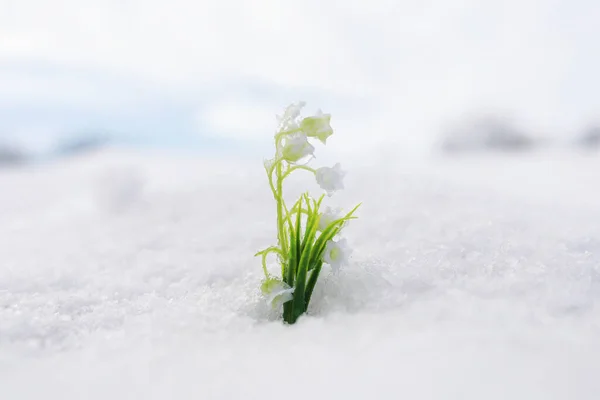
point(337, 254)
point(277, 292)
point(328, 217)
point(296, 148)
point(330, 179)
point(289, 118)
point(317, 126)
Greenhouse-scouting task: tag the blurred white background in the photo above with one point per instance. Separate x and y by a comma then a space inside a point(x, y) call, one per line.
point(212, 74)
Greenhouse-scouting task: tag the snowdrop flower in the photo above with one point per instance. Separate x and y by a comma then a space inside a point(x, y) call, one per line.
point(288, 119)
point(296, 148)
point(277, 292)
point(337, 254)
point(317, 126)
point(328, 217)
point(330, 179)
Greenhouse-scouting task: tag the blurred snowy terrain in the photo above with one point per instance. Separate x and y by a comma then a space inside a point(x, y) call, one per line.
point(126, 276)
point(485, 132)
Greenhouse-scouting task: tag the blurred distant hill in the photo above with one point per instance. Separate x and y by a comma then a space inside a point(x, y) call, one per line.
point(14, 155)
point(80, 144)
point(591, 138)
point(10, 155)
point(485, 133)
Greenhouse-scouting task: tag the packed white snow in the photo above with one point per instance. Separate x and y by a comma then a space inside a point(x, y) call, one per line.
point(127, 276)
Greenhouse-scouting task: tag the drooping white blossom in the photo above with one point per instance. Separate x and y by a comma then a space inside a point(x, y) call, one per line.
point(317, 126)
point(330, 179)
point(296, 148)
point(289, 119)
point(328, 217)
point(277, 292)
point(337, 254)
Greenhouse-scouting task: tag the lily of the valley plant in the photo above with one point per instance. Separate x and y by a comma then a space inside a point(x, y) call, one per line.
point(307, 237)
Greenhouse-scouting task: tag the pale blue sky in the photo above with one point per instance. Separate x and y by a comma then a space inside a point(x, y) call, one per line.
point(187, 73)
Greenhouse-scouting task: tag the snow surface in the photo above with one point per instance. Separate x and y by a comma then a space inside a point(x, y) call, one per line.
point(128, 276)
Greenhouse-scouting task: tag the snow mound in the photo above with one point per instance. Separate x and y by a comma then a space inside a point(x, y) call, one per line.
point(457, 288)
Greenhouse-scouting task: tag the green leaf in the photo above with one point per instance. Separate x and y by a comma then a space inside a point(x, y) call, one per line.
point(292, 266)
point(299, 304)
point(295, 246)
point(272, 249)
point(320, 200)
point(312, 281)
point(297, 238)
point(311, 217)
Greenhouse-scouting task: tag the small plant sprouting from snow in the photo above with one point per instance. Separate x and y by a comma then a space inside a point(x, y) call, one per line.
point(306, 236)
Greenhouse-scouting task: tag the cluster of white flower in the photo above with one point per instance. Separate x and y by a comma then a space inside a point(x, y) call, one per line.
point(297, 150)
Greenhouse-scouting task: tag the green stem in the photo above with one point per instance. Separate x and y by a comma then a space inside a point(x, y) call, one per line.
point(304, 167)
point(264, 253)
point(264, 264)
point(280, 227)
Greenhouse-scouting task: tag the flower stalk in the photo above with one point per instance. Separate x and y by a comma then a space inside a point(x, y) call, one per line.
point(305, 235)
